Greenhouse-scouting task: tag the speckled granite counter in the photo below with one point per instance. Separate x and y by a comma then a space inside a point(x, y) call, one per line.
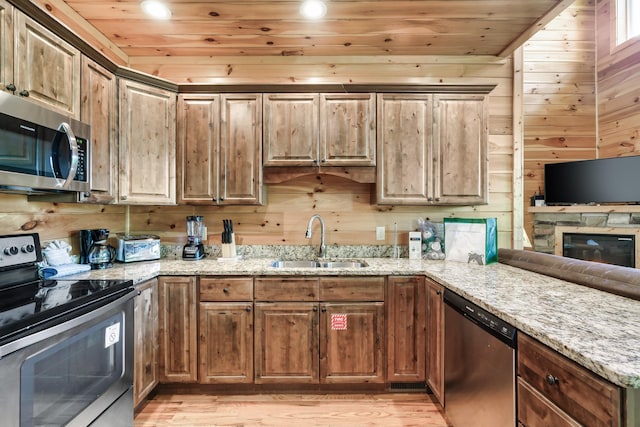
point(598, 330)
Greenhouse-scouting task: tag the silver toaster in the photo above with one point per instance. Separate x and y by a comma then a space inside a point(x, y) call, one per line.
point(138, 248)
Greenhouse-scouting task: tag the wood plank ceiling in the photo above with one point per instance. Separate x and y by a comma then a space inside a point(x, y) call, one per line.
point(275, 27)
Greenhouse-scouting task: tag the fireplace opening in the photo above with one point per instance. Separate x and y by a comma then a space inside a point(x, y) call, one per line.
point(617, 249)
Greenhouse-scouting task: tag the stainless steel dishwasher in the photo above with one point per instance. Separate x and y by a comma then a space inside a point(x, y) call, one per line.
point(479, 366)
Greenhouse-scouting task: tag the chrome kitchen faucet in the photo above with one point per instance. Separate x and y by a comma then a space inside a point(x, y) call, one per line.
point(323, 247)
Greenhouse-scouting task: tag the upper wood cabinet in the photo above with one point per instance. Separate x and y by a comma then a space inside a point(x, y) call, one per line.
point(309, 129)
point(432, 149)
point(147, 152)
point(98, 109)
point(46, 69)
point(220, 149)
point(348, 129)
point(405, 169)
point(6, 45)
point(460, 149)
point(291, 129)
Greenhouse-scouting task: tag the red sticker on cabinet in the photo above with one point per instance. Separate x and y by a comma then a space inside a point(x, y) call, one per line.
point(338, 322)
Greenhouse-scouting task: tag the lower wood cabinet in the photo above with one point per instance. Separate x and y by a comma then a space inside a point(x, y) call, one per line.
point(319, 330)
point(555, 391)
point(286, 343)
point(178, 329)
point(435, 339)
point(226, 330)
point(145, 320)
point(406, 325)
point(351, 343)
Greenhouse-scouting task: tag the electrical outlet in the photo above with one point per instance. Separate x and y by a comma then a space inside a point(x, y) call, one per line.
point(380, 233)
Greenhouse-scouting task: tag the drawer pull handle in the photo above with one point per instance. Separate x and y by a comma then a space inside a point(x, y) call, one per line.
point(551, 380)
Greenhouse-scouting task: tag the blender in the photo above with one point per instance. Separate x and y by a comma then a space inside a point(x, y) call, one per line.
point(194, 249)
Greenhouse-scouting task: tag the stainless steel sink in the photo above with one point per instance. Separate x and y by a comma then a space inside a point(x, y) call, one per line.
point(295, 264)
point(343, 264)
point(319, 264)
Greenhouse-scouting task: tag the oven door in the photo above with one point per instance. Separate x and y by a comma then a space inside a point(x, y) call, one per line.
point(71, 373)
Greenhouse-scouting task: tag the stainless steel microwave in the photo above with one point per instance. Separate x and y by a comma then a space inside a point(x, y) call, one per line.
point(42, 151)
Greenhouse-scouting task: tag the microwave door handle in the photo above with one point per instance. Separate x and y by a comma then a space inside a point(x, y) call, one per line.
point(73, 146)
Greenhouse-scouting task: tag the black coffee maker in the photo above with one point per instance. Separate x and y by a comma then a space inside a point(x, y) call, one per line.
point(95, 250)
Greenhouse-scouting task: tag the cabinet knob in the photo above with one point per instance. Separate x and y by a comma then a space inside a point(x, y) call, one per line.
point(248, 309)
point(323, 161)
point(315, 161)
point(24, 93)
point(11, 87)
point(438, 292)
point(225, 290)
point(315, 308)
point(214, 200)
point(429, 199)
point(551, 380)
point(324, 309)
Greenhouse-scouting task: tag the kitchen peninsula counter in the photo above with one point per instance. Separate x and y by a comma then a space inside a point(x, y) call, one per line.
point(598, 330)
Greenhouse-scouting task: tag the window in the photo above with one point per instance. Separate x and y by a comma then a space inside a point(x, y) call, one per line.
point(627, 20)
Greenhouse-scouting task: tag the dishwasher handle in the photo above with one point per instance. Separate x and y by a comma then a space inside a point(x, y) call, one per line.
point(485, 320)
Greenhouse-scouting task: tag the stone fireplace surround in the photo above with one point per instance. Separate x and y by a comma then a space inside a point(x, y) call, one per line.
point(550, 221)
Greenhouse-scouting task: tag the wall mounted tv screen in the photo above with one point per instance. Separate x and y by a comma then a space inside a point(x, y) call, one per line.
point(614, 180)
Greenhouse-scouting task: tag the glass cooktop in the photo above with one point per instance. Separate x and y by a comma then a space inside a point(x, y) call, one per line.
point(25, 307)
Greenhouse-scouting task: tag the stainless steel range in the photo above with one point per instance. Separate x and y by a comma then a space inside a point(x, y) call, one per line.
point(66, 346)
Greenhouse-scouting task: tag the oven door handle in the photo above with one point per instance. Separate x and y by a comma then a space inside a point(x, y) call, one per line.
point(47, 333)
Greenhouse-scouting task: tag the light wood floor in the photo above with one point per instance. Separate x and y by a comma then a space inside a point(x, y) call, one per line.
point(281, 410)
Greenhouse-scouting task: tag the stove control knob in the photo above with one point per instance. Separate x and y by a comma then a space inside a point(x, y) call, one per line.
point(27, 249)
point(13, 250)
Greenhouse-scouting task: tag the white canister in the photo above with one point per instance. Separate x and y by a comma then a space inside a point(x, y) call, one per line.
point(415, 245)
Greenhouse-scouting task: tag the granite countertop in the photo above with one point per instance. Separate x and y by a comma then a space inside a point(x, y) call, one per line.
point(598, 330)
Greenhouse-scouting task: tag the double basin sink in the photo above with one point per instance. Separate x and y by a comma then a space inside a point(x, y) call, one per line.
point(319, 264)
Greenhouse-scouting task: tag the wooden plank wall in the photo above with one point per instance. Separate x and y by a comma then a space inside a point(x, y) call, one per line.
point(559, 96)
point(618, 90)
point(348, 208)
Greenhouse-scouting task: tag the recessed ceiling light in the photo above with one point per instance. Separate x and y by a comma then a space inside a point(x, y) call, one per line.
point(156, 9)
point(313, 9)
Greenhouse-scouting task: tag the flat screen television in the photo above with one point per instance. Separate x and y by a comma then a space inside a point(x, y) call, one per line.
point(613, 180)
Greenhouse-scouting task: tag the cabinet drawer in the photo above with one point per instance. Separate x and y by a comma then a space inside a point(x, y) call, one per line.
point(584, 396)
point(286, 289)
point(352, 289)
point(226, 289)
point(534, 410)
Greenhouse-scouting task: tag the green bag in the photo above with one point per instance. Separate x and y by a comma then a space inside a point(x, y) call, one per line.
point(471, 240)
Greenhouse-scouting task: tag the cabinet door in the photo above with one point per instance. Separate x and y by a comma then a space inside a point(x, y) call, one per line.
point(46, 67)
point(147, 144)
point(347, 129)
point(241, 149)
point(291, 129)
point(286, 343)
point(351, 343)
point(460, 149)
point(226, 343)
point(98, 109)
point(145, 320)
point(178, 329)
point(404, 149)
point(6, 47)
point(435, 339)
point(406, 326)
point(198, 148)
